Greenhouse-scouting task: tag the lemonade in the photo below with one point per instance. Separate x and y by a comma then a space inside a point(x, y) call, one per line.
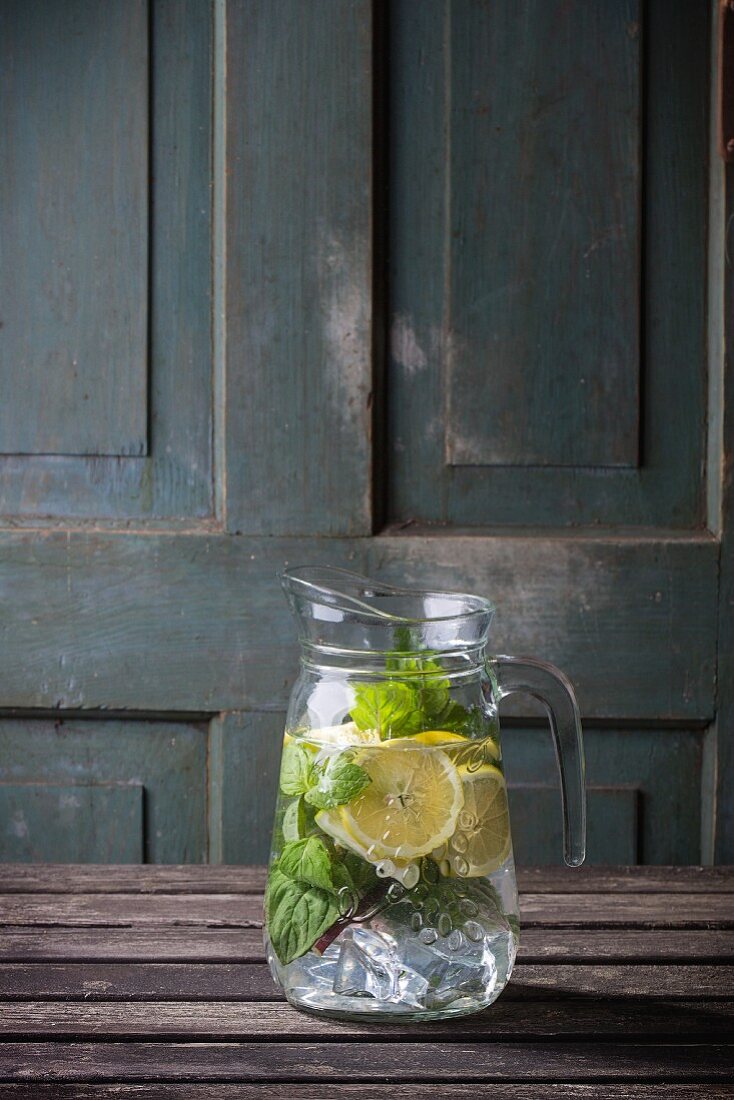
point(392, 887)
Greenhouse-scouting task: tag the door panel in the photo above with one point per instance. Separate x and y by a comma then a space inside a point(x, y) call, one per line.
point(161, 383)
point(519, 344)
point(322, 175)
point(141, 789)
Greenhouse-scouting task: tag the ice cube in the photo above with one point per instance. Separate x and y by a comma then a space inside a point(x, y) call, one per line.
point(369, 966)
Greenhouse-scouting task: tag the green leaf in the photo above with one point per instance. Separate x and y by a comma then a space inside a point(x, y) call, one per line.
point(362, 873)
point(341, 782)
point(307, 861)
point(390, 707)
point(294, 820)
point(296, 769)
point(296, 915)
point(298, 820)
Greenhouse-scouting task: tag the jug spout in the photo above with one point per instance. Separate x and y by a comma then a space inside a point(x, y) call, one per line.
point(338, 611)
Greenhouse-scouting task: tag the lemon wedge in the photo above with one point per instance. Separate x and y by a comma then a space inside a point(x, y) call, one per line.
point(481, 842)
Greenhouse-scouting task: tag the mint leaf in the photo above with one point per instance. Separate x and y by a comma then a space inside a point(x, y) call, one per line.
point(390, 707)
point(362, 873)
point(341, 782)
point(298, 820)
point(296, 769)
point(296, 915)
point(307, 861)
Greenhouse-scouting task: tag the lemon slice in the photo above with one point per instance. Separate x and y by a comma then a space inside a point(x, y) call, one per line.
point(332, 823)
point(411, 805)
point(435, 737)
point(481, 842)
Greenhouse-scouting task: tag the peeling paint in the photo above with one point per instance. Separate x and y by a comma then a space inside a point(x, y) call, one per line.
point(346, 313)
point(404, 347)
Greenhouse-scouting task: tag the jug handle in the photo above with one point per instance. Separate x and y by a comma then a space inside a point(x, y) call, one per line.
point(546, 683)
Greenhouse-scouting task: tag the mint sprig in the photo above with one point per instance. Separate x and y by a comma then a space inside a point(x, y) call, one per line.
point(297, 914)
point(296, 769)
point(340, 782)
point(414, 695)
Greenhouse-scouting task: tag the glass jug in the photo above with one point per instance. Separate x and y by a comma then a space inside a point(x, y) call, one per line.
point(391, 889)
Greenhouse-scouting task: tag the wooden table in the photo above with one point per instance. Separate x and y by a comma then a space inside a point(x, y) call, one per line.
point(150, 982)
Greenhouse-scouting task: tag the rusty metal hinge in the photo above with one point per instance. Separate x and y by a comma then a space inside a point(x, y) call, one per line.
point(726, 79)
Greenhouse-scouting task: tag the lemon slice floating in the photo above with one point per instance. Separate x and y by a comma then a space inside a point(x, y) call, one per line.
point(481, 842)
point(332, 823)
point(411, 805)
point(436, 737)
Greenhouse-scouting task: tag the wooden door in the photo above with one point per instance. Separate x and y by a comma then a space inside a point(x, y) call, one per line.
point(414, 288)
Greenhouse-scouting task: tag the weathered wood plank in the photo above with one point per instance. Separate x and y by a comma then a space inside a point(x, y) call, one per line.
point(356, 1062)
point(139, 944)
point(637, 880)
point(83, 878)
point(245, 910)
point(299, 242)
point(641, 910)
point(209, 1021)
point(146, 943)
point(252, 981)
point(74, 202)
point(567, 599)
point(522, 388)
point(631, 1090)
point(80, 878)
point(220, 910)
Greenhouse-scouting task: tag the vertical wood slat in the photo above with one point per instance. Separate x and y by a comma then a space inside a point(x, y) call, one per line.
point(73, 239)
point(299, 267)
point(723, 814)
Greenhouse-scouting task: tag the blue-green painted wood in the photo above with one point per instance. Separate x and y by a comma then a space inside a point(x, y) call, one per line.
point(167, 759)
point(667, 487)
point(644, 792)
point(250, 765)
point(664, 766)
point(73, 229)
point(543, 271)
point(611, 825)
point(299, 267)
point(723, 815)
point(176, 477)
point(55, 823)
point(198, 623)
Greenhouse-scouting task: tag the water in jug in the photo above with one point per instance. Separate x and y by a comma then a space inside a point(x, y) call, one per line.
point(391, 889)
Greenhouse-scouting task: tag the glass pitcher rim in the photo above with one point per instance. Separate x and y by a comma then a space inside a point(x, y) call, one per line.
point(300, 580)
